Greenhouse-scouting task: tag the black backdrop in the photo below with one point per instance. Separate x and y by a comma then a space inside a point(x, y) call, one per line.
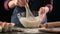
point(4, 14)
point(53, 16)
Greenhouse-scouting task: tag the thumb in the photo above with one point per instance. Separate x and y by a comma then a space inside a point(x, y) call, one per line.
point(27, 0)
point(15, 2)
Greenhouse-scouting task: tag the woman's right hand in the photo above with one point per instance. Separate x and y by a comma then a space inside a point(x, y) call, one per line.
point(15, 2)
point(20, 3)
point(12, 3)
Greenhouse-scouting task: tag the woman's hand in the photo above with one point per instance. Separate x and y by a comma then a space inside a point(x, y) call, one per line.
point(43, 10)
point(22, 3)
point(14, 3)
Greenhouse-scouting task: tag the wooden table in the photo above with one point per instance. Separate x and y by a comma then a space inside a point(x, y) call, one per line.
point(30, 31)
point(25, 33)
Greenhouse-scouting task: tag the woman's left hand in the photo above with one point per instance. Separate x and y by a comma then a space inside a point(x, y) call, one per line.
point(43, 10)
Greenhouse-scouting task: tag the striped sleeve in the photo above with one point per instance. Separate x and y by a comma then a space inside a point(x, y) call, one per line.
point(6, 4)
point(49, 4)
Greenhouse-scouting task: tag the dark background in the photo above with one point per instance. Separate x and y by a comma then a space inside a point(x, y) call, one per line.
point(53, 16)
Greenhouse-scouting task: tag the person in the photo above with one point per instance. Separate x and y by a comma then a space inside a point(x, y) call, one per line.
point(38, 6)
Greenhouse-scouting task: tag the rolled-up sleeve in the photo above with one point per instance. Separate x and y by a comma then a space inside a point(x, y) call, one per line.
point(49, 4)
point(6, 4)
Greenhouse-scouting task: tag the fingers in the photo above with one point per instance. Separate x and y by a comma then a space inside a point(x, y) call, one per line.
point(46, 9)
point(22, 3)
point(27, 0)
point(41, 11)
point(15, 2)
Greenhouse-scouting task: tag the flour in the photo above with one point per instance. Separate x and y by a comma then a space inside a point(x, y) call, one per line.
point(30, 23)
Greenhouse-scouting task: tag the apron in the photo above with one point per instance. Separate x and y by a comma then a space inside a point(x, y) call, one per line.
point(34, 7)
